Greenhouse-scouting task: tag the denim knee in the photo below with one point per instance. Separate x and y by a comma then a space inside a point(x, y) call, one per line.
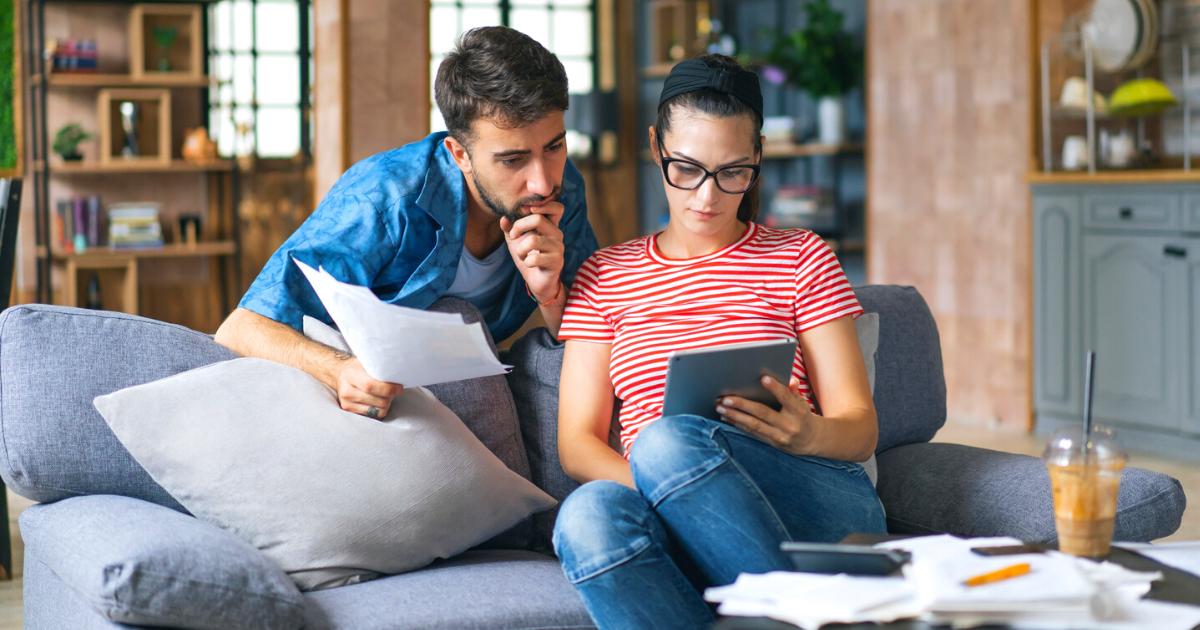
point(601, 525)
point(673, 451)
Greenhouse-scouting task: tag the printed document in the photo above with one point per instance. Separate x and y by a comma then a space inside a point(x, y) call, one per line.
point(404, 345)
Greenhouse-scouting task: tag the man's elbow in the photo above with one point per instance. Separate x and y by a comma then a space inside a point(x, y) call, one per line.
point(228, 334)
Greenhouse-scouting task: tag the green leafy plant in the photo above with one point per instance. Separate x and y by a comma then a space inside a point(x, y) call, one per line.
point(820, 58)
point(8, 129)
point(164, 36)
point(66, 141)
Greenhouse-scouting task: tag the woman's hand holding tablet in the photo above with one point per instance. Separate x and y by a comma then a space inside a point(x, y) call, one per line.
point(788, 429)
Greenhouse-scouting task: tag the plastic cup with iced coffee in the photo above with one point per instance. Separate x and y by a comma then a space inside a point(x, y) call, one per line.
point(1085, 478)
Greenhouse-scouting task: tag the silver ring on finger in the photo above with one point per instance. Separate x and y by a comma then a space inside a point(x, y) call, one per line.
point(373, 413)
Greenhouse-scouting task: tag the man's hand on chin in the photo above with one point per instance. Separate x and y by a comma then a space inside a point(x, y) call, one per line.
point(536, 245)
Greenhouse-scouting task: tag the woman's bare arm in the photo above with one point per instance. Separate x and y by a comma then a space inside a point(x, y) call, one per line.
point(585, 405)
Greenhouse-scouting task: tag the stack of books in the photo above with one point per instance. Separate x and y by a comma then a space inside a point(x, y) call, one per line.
point(78, 224)
point(134, 225)
point(801, 206)
point(72, 55)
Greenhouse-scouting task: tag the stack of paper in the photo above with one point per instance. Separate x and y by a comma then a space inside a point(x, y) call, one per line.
point(1059, 592)
point(810, 600)
point(404, 345)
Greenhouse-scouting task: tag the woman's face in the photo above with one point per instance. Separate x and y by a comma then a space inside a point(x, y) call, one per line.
point(713, 143)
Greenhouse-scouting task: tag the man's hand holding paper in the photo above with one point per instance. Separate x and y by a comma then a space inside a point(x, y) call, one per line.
point(397, 345)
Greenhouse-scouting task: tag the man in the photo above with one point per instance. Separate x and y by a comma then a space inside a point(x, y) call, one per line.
point(490, 211)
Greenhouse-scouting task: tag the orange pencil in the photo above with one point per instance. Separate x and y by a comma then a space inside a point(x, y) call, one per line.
point(1015, 570)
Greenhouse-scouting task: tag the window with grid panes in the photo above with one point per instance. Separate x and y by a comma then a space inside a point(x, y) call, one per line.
point(258, 50)
point(564, 27)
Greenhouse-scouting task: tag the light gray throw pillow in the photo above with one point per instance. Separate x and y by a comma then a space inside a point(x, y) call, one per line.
point(263, 450)
point(867, 328)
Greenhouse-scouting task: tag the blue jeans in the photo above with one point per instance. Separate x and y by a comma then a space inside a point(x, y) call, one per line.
point(712, 502)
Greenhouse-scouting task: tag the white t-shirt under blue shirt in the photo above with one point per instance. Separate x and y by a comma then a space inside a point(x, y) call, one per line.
point(483, 282)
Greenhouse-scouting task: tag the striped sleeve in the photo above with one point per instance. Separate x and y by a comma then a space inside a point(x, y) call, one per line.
point(822, 292)
point(583, 320)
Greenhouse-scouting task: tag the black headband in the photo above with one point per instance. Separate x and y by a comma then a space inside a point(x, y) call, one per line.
point(694, 74)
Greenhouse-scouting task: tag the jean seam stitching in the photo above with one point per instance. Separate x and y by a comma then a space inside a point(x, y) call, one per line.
point(685, 478)
point(753, 486)
point(611, 566)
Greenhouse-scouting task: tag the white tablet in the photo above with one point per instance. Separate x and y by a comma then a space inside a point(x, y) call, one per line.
point(696, 379)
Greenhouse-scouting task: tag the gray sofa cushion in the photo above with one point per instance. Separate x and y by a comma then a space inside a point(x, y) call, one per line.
point(967, 491)
point(484, 404)
point(53, 362)
point(263, 450)
point(500, 590)
point(139, 563)
point(537, 366)
point(910, 387)
point(49, 604)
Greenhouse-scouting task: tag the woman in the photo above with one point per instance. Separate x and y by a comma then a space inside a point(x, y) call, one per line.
point(695, 501)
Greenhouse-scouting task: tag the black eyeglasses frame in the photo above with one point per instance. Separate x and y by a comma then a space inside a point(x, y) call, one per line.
point(666, 161)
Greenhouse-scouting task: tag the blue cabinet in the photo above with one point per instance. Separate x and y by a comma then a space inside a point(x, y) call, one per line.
point(1117, 270)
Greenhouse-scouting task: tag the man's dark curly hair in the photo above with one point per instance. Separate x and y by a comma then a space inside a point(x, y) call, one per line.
point(499, 74)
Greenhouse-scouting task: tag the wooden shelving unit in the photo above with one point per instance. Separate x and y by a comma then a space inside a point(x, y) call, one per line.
point(186, 70)
point(101, 255)
point(174, 166)
point(788, 151)
point(60, 79)
point(1168, 176)
point(657, 71)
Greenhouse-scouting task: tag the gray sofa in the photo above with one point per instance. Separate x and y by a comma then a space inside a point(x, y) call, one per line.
point(57, 450)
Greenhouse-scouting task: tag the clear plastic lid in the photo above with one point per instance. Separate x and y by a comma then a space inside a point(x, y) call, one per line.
point(1066, 447)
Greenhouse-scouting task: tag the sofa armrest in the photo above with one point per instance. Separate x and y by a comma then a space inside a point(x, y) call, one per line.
point(949, 488)
point(143, 564)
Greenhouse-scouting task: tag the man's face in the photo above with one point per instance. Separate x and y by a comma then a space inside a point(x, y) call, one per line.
point(517, 169)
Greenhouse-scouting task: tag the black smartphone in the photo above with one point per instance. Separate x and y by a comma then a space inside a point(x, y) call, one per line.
point(851, 559)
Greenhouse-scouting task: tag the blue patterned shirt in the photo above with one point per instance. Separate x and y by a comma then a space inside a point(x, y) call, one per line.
point(395, 222)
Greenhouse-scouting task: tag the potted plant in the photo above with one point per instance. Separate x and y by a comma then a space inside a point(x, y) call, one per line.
point(66, 141)
point(824, 61)
point(165, 36)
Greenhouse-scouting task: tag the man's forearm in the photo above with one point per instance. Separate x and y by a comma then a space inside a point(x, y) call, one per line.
point(252, 335)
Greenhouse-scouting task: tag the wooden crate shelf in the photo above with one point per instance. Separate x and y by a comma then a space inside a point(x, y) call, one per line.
point(1164, 176)
point(91, 167)
point(121, 80)
point(103, 256)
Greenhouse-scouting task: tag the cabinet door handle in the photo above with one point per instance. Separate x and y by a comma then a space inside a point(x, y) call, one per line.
point(1174, 251)
point(1126, 213)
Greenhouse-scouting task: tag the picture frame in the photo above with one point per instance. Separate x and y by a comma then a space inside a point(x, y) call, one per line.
point(12, 130)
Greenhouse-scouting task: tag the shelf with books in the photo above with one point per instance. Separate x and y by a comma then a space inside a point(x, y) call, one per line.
point(92, 167)
point(103, 254)
point(97, 79)
point(142, 107)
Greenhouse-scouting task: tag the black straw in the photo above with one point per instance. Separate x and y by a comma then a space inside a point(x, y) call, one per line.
point(1087, 402)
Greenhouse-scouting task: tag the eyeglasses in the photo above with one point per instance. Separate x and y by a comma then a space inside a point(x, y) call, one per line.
point(687, 175)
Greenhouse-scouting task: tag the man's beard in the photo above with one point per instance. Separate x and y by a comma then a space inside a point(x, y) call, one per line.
point(514, 212)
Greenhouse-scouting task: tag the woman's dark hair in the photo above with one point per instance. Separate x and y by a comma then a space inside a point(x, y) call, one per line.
point(500, 74)
point(722, 105)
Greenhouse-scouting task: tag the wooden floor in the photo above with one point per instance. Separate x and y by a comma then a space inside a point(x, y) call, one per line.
point(1186, 472)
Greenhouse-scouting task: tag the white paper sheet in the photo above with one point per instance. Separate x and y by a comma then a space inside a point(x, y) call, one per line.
point(810, 600)
point(404, 345)
point(1184, 555)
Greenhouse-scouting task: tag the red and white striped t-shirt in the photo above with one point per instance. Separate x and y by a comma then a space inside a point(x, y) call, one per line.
point(769, 285)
